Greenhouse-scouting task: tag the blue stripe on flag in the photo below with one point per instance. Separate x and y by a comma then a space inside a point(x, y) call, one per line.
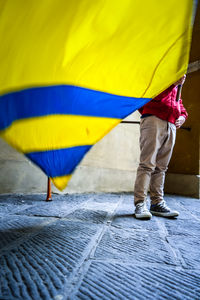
point(59, 162)
point(64, 99)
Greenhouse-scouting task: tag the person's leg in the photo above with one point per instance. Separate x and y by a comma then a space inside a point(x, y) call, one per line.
point(162, 160)
point(158, 205)
point(150, 141)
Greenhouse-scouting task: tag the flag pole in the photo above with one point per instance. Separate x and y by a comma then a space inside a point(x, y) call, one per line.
point(48, 198)
point(178, 92)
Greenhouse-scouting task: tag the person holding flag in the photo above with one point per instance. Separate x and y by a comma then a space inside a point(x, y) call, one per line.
point(159, 120)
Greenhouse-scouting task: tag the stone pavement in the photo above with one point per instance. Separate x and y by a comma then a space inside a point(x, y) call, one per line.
point(90, 246)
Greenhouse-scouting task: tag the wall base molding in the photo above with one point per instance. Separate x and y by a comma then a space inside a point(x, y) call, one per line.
point(183, 184)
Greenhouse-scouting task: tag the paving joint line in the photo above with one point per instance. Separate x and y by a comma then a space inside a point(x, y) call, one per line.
point(194, 216)
point(71, 210)
point(136, 263)
point(17, 211)
point(163, 232)
point(79, 273)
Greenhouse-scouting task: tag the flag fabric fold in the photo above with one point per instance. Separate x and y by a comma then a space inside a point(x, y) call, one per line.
point(72, 70)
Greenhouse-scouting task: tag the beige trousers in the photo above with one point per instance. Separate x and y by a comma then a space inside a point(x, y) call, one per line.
point(157, 139)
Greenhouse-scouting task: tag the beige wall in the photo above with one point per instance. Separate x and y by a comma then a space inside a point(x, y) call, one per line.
point(110, 165)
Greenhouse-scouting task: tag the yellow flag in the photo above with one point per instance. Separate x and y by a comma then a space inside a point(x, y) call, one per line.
point(72, 70)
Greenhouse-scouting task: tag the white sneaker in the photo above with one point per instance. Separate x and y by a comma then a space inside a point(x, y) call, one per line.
point(142, 212)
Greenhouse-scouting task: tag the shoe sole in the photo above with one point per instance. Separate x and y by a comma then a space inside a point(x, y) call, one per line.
point(143, 217)
point(165, 215)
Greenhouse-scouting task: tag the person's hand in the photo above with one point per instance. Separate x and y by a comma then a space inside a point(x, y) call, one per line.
point(179, 122)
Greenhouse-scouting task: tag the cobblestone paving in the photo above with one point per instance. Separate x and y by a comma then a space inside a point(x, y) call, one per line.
point(90, 246)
